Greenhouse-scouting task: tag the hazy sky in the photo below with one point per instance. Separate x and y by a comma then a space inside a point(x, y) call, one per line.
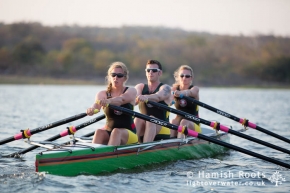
point(248, 17)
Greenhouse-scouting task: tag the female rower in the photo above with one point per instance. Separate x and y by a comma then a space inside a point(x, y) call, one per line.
point(183, 86)
point(119, 128)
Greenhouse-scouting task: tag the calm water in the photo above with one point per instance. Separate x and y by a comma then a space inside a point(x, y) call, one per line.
point(24, 107)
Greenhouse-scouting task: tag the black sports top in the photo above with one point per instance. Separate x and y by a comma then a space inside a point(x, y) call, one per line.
point(148, 109)
point(186, 106)
point(117, 119)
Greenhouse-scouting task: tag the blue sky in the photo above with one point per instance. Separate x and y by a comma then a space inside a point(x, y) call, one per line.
point(233, 17)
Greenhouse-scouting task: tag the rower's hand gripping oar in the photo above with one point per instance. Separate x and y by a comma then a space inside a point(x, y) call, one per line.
point(69, 131)
point(244, 122)
point(216, 126)
point(27, 133)
point(196, 134)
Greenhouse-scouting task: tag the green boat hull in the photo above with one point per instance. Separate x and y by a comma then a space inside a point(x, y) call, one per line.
point(105, 159)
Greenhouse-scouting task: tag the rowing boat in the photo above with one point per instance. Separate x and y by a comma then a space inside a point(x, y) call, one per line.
point(92, 159)
point(86, 158)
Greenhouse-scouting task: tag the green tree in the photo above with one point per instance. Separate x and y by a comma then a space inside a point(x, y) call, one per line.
point(29, 51)
point(5, 59)
point(77, 56)
point(277, 69)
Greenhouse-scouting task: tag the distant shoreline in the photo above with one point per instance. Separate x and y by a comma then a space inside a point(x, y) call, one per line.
point(13, 79)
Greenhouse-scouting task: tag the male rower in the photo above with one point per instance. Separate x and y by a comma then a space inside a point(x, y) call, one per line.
point(155, 91)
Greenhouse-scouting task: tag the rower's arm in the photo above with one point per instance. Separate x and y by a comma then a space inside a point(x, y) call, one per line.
point(99, 96)
point(164, 94)
point(193, 92)
point(139, 88)
point(127, 97)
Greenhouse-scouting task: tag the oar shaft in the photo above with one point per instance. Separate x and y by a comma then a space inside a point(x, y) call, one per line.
point(43, 128)
point(212, 108)
point(272, 134)
point(258, 141)
point(240, 120)
point(62, 134)
point(221, 127)
point(185, 115)
point(89, 134)
point(7, 140)
point(195, 134)
point(245, 151)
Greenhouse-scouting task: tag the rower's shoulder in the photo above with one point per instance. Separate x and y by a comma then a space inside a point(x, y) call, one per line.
point(195, 88)
point(165, 87)
point(101, 94)
point(139, 86)
point(131, 89)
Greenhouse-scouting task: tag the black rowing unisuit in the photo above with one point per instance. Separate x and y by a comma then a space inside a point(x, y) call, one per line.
point(118, 119)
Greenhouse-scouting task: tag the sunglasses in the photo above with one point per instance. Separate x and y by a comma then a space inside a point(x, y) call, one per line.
point(185, 75)
point(119, 75)
point(152, 69)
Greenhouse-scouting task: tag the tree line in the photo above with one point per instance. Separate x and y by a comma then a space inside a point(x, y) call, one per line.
point(31, 49)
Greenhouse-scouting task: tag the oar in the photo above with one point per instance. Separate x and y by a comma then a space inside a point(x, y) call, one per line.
point(216, 126)
point(196, 134)
point(244, 122)
point(27, 133)
point(70, 130)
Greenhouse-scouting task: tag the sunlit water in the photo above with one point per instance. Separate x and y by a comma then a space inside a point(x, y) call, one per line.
point(24, 107)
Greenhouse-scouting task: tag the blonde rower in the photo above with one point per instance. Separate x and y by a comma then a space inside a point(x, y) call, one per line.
point(183, 86)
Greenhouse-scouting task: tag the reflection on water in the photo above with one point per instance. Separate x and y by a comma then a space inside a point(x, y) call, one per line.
point(23, 106)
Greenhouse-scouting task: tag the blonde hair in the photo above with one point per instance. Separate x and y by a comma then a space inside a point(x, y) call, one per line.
point(113, 66)
point(176, 74)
